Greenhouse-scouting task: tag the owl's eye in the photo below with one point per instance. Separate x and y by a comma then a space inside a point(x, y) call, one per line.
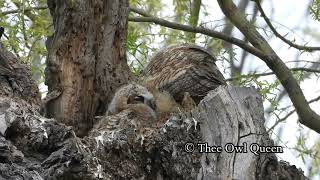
point(135, 99)
point(139, 99)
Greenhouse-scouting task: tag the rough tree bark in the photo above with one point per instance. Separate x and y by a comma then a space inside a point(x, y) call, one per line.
point(86, 60)
point(34, 147)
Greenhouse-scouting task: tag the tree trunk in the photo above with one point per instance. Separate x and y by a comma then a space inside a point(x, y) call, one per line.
point(16, 82)
point(86, 60)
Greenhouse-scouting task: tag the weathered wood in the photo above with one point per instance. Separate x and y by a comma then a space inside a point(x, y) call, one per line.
point(86, 60)
point(231, 115)
point(54, 152)
point(16, 81)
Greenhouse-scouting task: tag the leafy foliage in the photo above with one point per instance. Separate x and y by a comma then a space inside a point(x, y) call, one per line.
point(26, 31)
point(315, 9)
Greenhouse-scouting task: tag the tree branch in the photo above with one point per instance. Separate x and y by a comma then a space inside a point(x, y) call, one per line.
point(303, 61)
point(212, 33)
point(193, 19)
point(290, 43)
point(272, 73)
point(139, 11)
point(289, 114)
point(243, 4)
point(25, 10)
point(245, 53)
point(307, 116)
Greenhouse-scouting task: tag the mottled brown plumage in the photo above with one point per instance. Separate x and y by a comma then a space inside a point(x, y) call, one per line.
point(181, 73)
point(128, 96)
point(165, 105)
point(132, 109)
point(136, 116)
point(183, 68)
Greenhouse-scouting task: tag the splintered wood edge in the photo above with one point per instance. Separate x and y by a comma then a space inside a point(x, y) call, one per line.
point(234, 115)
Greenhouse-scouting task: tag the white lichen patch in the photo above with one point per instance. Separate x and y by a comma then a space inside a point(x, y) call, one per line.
point(164, 130)
point(3, 124)
point(99, 139)
point(188, 122)
point(68, 163)
point(99, 172)
point(42, 121)
point(195, 123)
point(142, 139)
point(45, 134)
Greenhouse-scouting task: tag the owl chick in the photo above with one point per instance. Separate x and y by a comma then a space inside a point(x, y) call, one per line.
point(132, 109)
point(128, 96)
point(165, 105)
point(136, 117)
point(183, 68)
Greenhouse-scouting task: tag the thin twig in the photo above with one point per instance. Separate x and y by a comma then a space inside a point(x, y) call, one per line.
point(139, 11)
point(25, 10)
point(290, 43)
point(272, 73)
point(204, 31)
point(289, 114)
point(303, 61)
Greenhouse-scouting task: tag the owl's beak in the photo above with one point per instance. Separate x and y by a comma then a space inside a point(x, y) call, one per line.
point(151, 103)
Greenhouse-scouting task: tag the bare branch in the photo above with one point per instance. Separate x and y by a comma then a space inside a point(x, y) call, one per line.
point(245, 53)
point(139, 11)
point(25, 10)
point(193, 19)
point(289, 114)
point(303, 61)
point(290, 43)
point(212, 33)
point(272, 73)
point(306, 115)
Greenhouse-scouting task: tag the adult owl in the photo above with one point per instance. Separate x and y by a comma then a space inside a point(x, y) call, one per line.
point(183, 68)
